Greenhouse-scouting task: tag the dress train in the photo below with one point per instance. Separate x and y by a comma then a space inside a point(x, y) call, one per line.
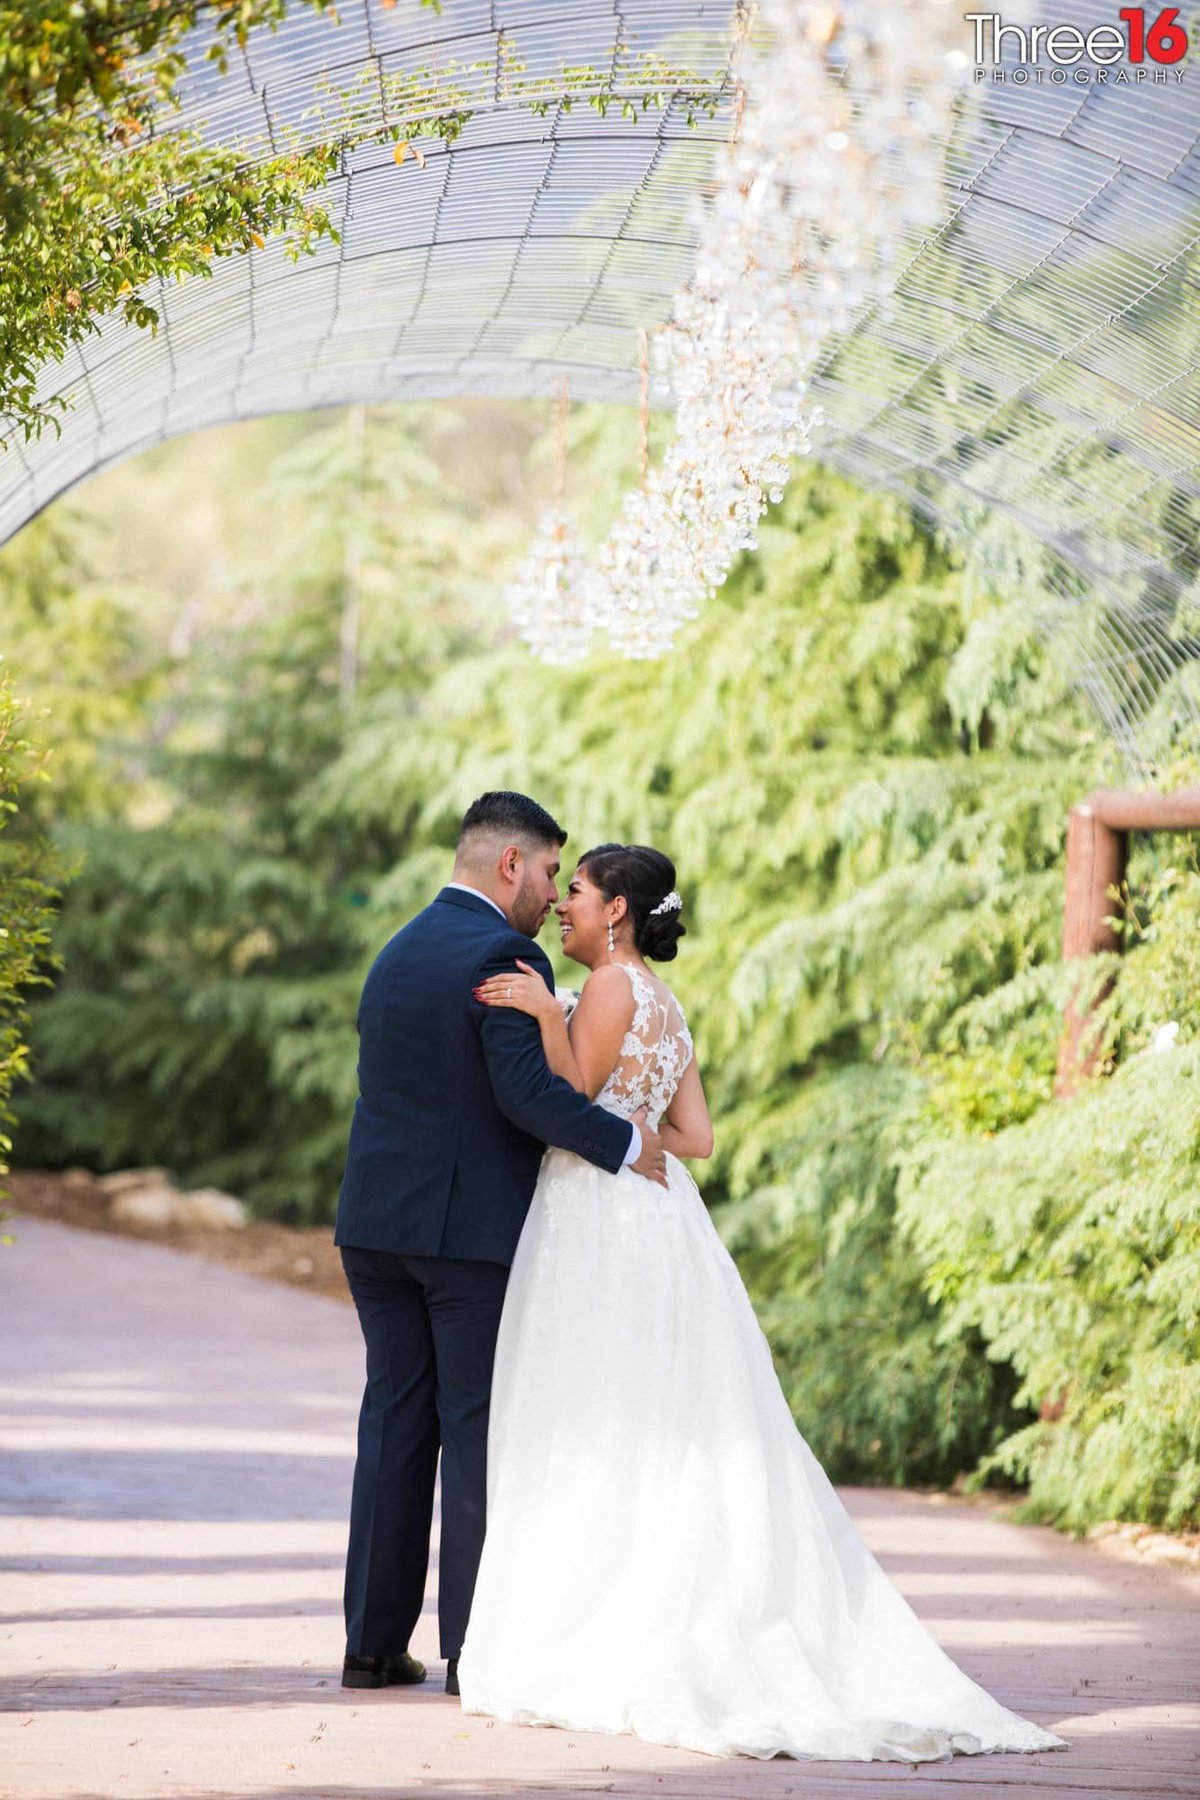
point(664, 1554)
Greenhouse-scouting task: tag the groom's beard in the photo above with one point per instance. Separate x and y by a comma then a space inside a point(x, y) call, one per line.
point(529, 908)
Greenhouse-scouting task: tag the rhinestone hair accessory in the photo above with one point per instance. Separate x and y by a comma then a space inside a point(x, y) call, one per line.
point(669, 903)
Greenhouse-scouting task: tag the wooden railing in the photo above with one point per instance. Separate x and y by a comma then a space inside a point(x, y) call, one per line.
point(1097, 857)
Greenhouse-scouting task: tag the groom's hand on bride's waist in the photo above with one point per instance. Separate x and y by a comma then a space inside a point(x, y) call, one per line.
point(652, 1159)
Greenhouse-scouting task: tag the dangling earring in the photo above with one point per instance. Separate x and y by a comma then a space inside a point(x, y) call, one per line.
point(611, 940)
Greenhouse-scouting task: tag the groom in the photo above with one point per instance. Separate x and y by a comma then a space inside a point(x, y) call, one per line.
point(456, 1103)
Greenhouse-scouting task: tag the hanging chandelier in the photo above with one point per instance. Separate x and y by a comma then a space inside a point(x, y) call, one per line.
point(547, 595)
point(841, 119)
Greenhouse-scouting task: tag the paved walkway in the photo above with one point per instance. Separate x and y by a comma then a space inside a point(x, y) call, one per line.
point(175, 1453)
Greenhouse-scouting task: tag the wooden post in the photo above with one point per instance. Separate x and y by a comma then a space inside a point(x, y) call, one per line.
point(1097, 857)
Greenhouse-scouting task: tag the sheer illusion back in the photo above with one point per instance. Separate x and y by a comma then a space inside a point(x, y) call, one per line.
point(656, 1050)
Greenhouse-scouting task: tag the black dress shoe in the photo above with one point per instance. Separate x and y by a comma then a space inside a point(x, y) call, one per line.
point(452, 1676)
point(382, 1671)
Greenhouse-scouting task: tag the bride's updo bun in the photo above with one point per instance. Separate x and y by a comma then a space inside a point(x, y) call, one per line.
point(646, 879)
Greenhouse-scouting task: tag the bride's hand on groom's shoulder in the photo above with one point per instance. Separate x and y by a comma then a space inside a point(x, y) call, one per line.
point(523, 989)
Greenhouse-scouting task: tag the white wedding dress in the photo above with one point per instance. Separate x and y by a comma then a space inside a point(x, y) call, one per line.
point(664, 1555)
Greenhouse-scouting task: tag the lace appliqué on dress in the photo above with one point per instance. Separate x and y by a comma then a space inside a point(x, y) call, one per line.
point(656, 1050)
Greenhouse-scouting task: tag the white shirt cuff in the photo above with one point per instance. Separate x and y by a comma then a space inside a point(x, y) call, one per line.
point(635, 1147)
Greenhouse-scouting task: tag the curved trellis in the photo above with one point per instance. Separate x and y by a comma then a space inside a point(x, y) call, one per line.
point(1039, 370)
point(1034, 384)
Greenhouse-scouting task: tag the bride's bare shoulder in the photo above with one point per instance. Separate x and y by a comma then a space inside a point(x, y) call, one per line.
point(608, 977)
point(610, 988)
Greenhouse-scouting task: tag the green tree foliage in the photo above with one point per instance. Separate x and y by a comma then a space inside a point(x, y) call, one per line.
point(1068, 1235)
point(25, 900)
point(215, 935)
point(84, 649)
point(1072, 1243)
point(96, 196)
point(862, 766)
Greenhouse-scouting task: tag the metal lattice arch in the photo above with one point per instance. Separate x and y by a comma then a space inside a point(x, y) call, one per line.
point(1033, 386)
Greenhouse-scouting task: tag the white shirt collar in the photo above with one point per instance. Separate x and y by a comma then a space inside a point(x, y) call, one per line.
point(464, 888)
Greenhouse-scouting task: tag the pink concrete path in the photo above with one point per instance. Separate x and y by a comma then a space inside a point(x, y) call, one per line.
point(175, 1455)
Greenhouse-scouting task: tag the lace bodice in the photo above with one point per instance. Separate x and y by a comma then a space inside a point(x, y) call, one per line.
point(654, 1054)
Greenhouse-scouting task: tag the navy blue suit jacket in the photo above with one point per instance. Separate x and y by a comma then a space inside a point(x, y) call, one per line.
point(456, 1101)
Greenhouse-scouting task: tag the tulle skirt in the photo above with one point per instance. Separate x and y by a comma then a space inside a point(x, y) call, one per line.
point(664, 1555)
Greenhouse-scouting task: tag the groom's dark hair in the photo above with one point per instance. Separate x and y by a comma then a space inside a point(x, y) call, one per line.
point(516, 816)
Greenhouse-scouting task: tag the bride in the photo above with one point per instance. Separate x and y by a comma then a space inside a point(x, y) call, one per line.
point(664, 1555)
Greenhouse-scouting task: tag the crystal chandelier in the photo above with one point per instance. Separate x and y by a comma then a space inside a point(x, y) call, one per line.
point(548, 596)
point(842, 116)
